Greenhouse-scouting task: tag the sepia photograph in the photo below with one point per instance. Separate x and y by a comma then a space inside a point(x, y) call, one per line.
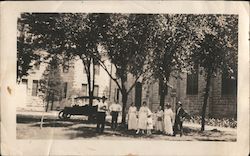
point(127, 76)
point(124, 78)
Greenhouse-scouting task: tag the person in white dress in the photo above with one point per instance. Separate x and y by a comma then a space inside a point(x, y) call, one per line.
point(149, 123)
point(142, 118)
point(132, 117)
point(159, 120)
point(168, 120)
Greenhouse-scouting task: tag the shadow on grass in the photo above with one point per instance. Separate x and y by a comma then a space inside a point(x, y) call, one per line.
point(79, 128)
point(211, 135)
point(26, 119)
point(90, 132)
point(31, 119)
point(54, 124)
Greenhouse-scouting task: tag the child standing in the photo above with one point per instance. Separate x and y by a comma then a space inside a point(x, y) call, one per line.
point(159, 120)
point(149, 124)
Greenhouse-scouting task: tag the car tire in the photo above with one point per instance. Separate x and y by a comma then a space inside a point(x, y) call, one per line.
point(60, 114)
point(66, 116)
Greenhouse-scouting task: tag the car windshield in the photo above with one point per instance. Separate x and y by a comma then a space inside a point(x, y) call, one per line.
point(84, 100)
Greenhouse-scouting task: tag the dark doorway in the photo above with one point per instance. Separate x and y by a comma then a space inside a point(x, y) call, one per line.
point(138, 94)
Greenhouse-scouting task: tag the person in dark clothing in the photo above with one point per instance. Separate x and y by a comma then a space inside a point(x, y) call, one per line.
point(179, 118)
point(101, 115)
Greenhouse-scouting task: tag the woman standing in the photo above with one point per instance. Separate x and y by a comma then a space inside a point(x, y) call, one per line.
point(132, 119)
point(168, 120)
point(143, 117)
point(159, 120)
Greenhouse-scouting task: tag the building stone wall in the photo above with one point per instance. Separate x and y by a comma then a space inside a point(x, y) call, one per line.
point(192, 103)
point(75, 77)
point(25, 91)
point(222, 105)
point(218, 105)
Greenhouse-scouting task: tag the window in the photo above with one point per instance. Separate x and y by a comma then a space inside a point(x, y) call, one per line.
point(34, 87)
point(192, 83)
point(97, 69)
point(24, 81)
point(65, 87)
point(84, 89)
point(66, 67)
point(37, 65)
point(96, 90)
point(229, 85)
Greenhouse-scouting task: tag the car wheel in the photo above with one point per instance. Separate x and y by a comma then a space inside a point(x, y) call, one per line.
point(60, 114)
point(66, 115)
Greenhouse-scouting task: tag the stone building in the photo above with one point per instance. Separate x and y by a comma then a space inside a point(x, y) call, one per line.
point(74, 84)
point(189, 89)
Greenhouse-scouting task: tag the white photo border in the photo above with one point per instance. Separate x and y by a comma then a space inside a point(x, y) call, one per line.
point(10, 11)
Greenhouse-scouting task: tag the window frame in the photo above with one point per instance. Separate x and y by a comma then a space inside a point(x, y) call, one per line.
point(66, 67)
point(228, 85)
point(86, 89)
point(65, 89)
point(192, 83)
point(96, 87)
point(34, 93)
point(97, 69)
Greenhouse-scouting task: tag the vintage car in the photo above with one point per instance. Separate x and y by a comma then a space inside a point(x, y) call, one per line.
point(76, 109)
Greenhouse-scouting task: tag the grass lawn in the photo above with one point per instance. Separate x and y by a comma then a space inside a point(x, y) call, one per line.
point(28, 127)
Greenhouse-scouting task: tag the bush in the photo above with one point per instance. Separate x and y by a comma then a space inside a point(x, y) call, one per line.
point(223, 122)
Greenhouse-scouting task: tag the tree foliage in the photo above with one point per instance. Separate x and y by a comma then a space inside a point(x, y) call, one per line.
point(135, 44)
point(25, 51)
point(217, 39)
point(217, 50)
point(171, 48)
point(51, 83)
point(67, 35)
point(127, 42)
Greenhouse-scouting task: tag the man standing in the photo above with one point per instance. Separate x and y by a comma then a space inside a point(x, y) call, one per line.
point(115, 108)
point(101, 115)
point(179, 118)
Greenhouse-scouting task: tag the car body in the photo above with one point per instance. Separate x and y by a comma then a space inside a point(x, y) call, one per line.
point(86, 109)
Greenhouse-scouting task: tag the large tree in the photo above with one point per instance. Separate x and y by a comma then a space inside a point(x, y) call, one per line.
point(126, 44)
point(85, 36)
point(36, 32)
point(67, 35)
point(217, 50)
point(51, 83)
point(25, 51)
point(171, 50)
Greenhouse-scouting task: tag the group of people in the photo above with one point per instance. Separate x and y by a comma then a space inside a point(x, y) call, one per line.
point(162, 121)
point(102, 109)
point(144, 121)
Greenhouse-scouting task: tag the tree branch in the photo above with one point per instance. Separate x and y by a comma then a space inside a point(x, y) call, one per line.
point(110, 74)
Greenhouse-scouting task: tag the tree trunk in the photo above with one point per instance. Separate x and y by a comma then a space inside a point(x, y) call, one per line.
point(162, 97)
point(47, 105)
point(124, 104)
point(93, 84)
point(206, 95)
point(90, 89)
point(90, 116)
point(163, 91)
point(52, 102)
